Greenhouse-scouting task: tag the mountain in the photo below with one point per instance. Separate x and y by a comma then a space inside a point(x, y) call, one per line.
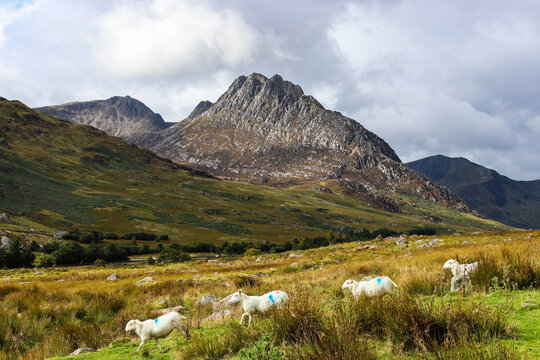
point(62, 175)
point(515, 203)
point(118, 116)
point(266, 130)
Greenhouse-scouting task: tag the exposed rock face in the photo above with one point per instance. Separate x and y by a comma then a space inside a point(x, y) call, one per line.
point(118, 116)
point(267, 131)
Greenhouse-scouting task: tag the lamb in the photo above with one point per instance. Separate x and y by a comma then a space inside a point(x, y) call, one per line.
point(458, 268)
point(378, 286)
point(253, 304)
point(155, 329)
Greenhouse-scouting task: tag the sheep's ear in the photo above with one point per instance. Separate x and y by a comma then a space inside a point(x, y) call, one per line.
point(240, 291)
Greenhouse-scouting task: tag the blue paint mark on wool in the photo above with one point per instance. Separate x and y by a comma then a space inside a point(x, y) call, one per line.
point(156, 321)
point(271, 297)
point(379, 279)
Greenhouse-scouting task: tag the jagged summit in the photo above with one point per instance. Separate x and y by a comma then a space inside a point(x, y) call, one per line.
point(121, 116)
point(266, 130)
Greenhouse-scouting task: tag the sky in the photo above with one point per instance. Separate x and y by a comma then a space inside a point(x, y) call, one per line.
point(458, 78)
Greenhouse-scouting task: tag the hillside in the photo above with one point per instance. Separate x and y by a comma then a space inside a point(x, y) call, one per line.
point(118, 116)
point(515, 203)
point(64, 175)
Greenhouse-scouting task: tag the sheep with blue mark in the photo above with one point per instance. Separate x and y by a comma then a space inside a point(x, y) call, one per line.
point(156, 328)
point(377, 286)
point(261, 304)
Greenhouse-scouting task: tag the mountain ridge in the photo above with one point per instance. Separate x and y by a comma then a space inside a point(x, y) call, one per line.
point(121, 116)
point(266, 130)
point(493, 195)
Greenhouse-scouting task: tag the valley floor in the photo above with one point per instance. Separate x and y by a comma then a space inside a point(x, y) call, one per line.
point(54, 311)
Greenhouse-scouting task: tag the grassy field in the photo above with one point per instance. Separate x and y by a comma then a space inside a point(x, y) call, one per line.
point(52, 312)
point(58, 176)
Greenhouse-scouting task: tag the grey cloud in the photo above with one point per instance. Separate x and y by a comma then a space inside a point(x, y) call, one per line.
point(458, 78)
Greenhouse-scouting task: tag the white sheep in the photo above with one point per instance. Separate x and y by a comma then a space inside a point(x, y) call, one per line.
point(378, 286)
point(458, 269)
point(253, 304)
point(155, 328)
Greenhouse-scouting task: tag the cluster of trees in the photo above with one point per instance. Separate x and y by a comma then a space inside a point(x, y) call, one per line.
point(240, 247)
point(18, 255)
point(97, 236)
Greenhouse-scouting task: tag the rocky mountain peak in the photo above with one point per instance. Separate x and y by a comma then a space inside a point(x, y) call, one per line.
point(266, 130)
point(121, 116)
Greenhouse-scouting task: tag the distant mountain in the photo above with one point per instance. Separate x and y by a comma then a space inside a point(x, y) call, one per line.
point(118, 116)
point(266, 130)
point(515, 203)
point(65, 176)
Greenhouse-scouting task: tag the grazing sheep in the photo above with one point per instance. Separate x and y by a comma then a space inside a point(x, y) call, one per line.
point(378, 286)
point(253, 304)
point(155, 329)
point(458, 268)
point(461, 272)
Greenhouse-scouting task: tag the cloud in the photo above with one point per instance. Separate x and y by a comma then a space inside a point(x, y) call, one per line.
point(436, 78)
point(458, 78)
point(164, 38)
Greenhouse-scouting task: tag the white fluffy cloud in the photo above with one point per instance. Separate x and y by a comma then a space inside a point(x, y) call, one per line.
point(164, 38)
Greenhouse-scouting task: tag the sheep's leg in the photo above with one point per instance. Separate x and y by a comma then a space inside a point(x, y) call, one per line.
point(249, 324)
point(158, 344)
point(242, 319)
point(141, 344)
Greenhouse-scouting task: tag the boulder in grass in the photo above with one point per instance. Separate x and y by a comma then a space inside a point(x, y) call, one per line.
point(168, 310)
point(5, 218)
point(80, 351)
point(145, 281)
point(5, 242)
point(113, 277)
point(220, 315)
point(207, 300)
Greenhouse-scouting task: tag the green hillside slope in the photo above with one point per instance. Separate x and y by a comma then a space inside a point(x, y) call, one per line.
point(64, 175)
point(516, 203)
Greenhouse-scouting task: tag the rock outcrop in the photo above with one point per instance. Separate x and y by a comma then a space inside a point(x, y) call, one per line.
point(118, 116)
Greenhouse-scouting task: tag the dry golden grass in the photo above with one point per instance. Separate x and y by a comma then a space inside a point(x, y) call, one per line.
point(66, 308)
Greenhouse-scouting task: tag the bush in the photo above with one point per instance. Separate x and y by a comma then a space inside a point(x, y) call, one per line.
point(111, 236)
point(140, 236)
point(252, 252)
point(173, 254)
point(44, 261)
point(69, 253)
point(17, 256)
point(150, 260)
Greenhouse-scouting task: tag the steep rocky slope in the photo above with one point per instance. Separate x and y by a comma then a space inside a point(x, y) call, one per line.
point(268, 131)
point(118, 116)
point(515, 203)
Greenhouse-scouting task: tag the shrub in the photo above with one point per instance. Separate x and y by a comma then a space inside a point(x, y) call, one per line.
point(150, 260)
point(44, 261)
point(111, 236)
point(245, 281)
point(252, 252)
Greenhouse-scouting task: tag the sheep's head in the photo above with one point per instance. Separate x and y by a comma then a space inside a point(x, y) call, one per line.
point(450, 264)
point(236, 297)
point(131, 325)
point(347, 284)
